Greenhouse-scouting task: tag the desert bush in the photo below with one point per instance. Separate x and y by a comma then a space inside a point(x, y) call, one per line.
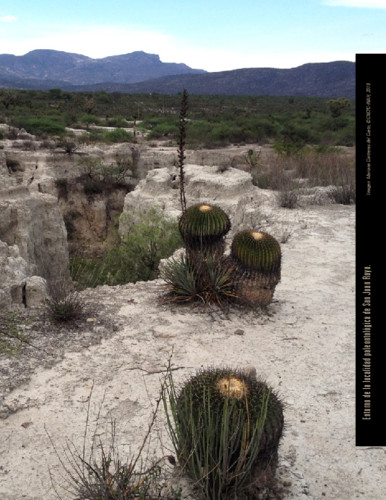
point(308, 168)
point(64, 304)
point(225, 427)
point(198, 132)
point(344, 195)
point(339, 106)
point(163, 130)
point(326, 168)
point(40, 126)
point(11, 340)
point(14, 165)
point(272, 173)
point(69, 147)
point(98, 176)
point(97, 471)
point(288, 196)
point(149, 237)
point(288, 148)
point(118, 135)
point(117, 121)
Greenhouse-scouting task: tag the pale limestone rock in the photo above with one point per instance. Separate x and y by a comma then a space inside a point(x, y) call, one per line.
point(33, 222)
point(232, 190)
point(33, 241)
point(13, 271)
point(35, 291)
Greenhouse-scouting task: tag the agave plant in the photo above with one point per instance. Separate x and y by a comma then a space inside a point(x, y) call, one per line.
point(206, 281)
point(225, 426)
point(256, 256)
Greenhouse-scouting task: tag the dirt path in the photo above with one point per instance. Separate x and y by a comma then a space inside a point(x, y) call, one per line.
point(303, 347)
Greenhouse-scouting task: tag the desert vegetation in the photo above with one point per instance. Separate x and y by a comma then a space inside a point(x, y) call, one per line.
point(11, 337)
point(310, 159)
point(224, 424)
point(249, 274)
point(214, 121)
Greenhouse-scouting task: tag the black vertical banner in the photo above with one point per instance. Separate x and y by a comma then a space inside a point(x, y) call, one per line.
point(371, 190)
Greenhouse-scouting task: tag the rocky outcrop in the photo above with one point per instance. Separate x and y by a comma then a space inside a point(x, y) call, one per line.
point(33, 243)
point(232, 189)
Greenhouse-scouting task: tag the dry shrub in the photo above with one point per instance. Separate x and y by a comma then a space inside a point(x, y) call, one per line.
point(96, 470)
point(326, 169)
point(312, 167)
point(64, 304)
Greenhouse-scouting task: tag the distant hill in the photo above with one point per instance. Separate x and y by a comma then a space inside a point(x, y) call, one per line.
point(335, 79)
point(139, 72)
point(40, 66)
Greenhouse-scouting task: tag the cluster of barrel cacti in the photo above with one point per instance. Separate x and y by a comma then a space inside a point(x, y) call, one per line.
point(254, 263)
point(226, 426)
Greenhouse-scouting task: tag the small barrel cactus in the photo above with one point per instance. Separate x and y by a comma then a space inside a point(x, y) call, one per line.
point(203, 227)
point(228, 425)
point(257, 259)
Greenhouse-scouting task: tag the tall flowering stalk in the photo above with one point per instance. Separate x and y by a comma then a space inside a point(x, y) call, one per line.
point(181, 147)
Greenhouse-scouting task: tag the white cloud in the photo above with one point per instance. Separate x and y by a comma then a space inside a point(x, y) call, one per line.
point(369, 4)
point(8, 19)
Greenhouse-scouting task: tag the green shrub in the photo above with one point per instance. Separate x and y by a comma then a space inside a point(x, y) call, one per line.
point(198, 132)
point(117, 121)
point(47, 125)
point(118, 135)
point(149, 237)
point(87, 120)
point(169, 130)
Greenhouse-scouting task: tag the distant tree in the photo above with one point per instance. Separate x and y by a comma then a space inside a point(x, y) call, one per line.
point(89, 105)
point(338, 106)
point(56, 93)
point(8, 98)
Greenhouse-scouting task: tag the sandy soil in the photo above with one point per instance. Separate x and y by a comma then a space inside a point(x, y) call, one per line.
point(303, 346)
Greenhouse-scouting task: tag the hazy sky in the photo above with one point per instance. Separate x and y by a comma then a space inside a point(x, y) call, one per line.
point(214, 35)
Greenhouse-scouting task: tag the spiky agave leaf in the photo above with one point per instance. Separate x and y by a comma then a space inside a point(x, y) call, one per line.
point(180, 279)
point(207, 280)
point(214, 281)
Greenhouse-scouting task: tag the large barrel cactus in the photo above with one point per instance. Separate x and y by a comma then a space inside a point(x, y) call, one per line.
point(203, 227)
point(256, 256)
point(227, 428)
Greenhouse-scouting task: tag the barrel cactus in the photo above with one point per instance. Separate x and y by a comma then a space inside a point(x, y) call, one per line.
point(256, 256)
point(227, 428)
point(203, 227)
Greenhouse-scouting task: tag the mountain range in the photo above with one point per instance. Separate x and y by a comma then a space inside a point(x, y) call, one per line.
point(140, 72)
